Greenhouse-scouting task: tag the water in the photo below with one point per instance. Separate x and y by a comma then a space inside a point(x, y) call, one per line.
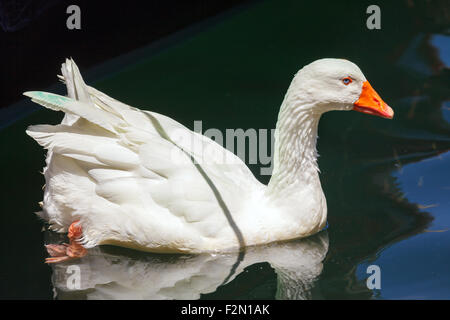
point(386, 182)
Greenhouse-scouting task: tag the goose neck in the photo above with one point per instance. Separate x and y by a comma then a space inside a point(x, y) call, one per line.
point(295, 156)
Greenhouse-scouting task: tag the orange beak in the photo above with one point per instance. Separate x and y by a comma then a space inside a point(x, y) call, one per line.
point(370, 102)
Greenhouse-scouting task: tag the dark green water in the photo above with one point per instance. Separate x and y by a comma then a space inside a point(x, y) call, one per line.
point(387, 182)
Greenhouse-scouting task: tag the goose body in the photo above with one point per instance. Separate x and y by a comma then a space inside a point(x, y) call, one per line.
point(142, 180)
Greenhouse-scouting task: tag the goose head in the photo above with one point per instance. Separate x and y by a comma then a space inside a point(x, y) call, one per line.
point(336, 84)
point(321, 86)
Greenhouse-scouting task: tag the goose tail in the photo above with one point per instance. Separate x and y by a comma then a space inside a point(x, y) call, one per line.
point(76, 88)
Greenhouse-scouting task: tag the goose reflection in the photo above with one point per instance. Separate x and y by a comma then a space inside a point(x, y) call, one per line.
point(115, 273)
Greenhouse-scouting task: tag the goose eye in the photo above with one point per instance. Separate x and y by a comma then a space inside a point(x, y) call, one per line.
point(347, 80)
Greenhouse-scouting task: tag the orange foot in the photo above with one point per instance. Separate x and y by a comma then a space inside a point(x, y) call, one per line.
point(65, 252)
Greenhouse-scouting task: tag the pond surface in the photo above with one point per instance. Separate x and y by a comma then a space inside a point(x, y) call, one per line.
point(387, 183)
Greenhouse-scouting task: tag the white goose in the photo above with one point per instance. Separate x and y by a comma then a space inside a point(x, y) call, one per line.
point(122, 176)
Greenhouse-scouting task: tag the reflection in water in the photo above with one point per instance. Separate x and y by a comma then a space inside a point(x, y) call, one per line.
point(116, 273)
